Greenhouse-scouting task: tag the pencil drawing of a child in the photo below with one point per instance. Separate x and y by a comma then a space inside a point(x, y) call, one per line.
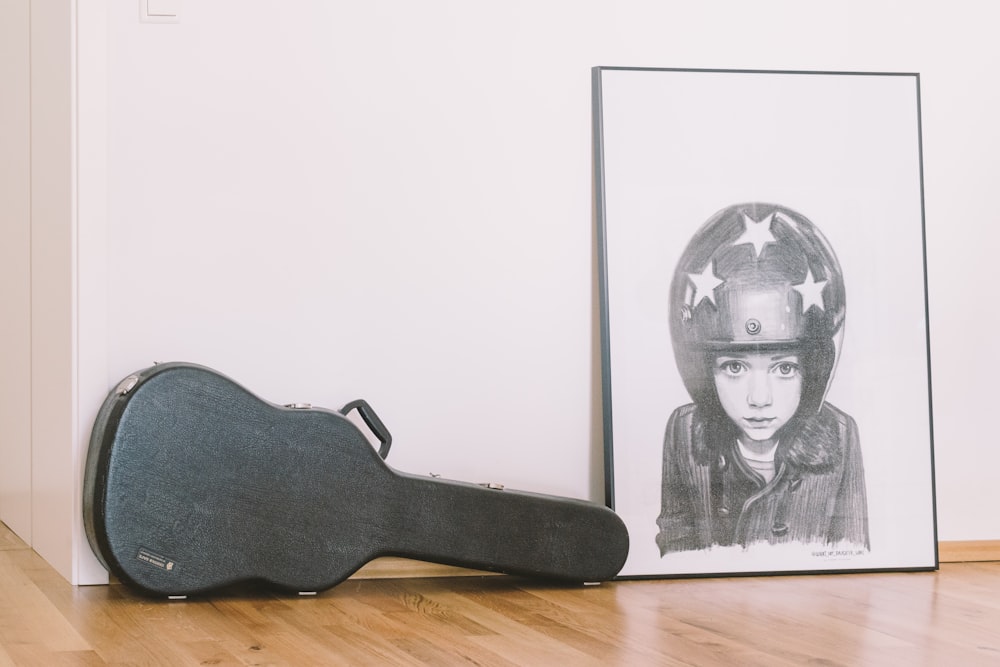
point(757, 311)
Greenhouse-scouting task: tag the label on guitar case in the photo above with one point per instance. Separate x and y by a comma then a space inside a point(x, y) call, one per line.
point(155, 559)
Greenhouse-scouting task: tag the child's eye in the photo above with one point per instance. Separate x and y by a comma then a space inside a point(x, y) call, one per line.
point(786, 369)
point(732, 367)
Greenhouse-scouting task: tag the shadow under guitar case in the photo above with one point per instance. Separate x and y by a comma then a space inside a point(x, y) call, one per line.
point(192, 483)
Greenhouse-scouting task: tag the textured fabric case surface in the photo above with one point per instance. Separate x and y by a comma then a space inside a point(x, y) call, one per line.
point(193, 483)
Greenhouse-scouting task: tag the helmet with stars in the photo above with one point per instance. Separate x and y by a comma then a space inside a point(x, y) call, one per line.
point(757, 277)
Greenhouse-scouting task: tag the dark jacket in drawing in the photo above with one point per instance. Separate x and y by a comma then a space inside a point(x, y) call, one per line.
point(711, 497)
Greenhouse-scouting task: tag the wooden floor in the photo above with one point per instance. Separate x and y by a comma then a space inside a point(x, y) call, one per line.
point(950, 617)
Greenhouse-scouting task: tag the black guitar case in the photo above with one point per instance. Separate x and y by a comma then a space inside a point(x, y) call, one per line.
point(193, 483)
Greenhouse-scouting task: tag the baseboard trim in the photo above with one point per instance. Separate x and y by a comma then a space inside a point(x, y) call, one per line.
point(969, 551)
point(403, 568)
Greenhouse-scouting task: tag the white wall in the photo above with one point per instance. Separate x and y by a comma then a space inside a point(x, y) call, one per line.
point(53, 212)
point(393, 200)
point(53, 276)
point(38, 203)
point(15, 268)
point(328, 201)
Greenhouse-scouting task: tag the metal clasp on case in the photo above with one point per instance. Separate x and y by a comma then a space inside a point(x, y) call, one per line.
point(127, 385)
point(298, 406)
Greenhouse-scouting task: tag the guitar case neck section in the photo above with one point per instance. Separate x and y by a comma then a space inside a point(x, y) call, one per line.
point(193, 483)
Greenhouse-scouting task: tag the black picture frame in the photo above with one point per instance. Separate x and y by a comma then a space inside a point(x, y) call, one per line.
point(764, 331)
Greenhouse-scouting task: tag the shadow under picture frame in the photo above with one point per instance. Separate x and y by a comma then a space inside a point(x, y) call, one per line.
point(764, 333)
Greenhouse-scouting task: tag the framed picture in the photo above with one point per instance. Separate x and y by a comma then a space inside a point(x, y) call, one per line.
point(766, 378)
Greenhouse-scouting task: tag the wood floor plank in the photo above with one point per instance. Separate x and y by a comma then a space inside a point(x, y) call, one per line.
point(950, 617)
point(28, 620)
point(10, 541)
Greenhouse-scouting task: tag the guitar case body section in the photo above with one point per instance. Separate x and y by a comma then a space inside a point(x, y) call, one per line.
point(192, 483)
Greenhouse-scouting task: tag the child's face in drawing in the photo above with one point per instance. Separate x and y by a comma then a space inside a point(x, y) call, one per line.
point(760, 391)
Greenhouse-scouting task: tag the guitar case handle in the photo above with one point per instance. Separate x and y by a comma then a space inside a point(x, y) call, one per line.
point(373, 422)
